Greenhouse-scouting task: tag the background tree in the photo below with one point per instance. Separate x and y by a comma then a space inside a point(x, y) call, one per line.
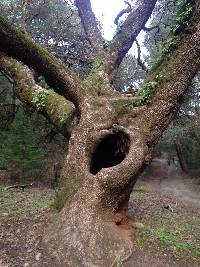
point(20, 153)
point(49, 20)
point(56, 25)
point(8, 105)
point(181, 138)
point(129, 76)
point(95, 188)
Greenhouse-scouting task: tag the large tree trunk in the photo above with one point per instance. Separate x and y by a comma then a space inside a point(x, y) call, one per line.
point(100, 170)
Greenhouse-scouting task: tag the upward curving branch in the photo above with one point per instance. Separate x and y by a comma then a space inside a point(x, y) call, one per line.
point(176, 72)
point(128, 32)
point(90, 24)
point(19, 45)
point(121, 13)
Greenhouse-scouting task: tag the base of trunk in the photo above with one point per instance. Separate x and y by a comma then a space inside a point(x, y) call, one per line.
point(81, 237)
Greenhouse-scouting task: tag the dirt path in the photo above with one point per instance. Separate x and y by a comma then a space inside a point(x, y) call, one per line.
point(168, 205)
point(182, 187)
point(168, 179)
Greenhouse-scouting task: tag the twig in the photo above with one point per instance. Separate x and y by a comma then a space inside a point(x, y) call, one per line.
point(118, 258)
point(128, 256)
point(169, 207)
point(22, 186)
point(121, 13)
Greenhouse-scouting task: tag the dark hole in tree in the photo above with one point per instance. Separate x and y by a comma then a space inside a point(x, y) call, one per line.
point(110, 151)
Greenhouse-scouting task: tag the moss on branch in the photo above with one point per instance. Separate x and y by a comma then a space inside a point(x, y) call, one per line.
point(149, 88)
point(180, 17)
point(16, 43)
point(124, 106)
point(168, 56)
point(54, 106)
point(97, 81)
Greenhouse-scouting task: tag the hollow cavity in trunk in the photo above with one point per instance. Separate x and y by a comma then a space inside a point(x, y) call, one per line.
point(110, 151)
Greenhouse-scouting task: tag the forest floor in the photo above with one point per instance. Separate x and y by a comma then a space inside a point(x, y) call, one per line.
point(165, 209)
point(168, 211)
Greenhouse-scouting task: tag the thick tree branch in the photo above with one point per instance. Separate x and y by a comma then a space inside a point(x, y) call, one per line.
point(178, 70)
point(90, 24)
point(128, 32)
point(19, 45)
point(57, 109)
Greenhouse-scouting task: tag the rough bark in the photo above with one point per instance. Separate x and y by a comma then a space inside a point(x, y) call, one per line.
point(97, 202)
point(128, 32)
point(179, 69)
point(96, 209)
point(90, 24)
point(113, 139)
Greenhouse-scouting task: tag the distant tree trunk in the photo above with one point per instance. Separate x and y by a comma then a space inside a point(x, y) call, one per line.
point(179, 152)
point(56, 175)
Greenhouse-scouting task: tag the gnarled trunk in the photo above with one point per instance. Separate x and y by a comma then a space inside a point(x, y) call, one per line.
point(100, 170)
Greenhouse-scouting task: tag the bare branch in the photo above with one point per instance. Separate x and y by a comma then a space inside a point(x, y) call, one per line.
point(20, 46)
point(139, 60)
point(90, 24)
point(56, 108)
point(127, 3)
point(121, 13)
point(22, 186)
point(128, 32)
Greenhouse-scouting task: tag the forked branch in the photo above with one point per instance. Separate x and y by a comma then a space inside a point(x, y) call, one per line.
point(19, 45)
point(128, 32)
